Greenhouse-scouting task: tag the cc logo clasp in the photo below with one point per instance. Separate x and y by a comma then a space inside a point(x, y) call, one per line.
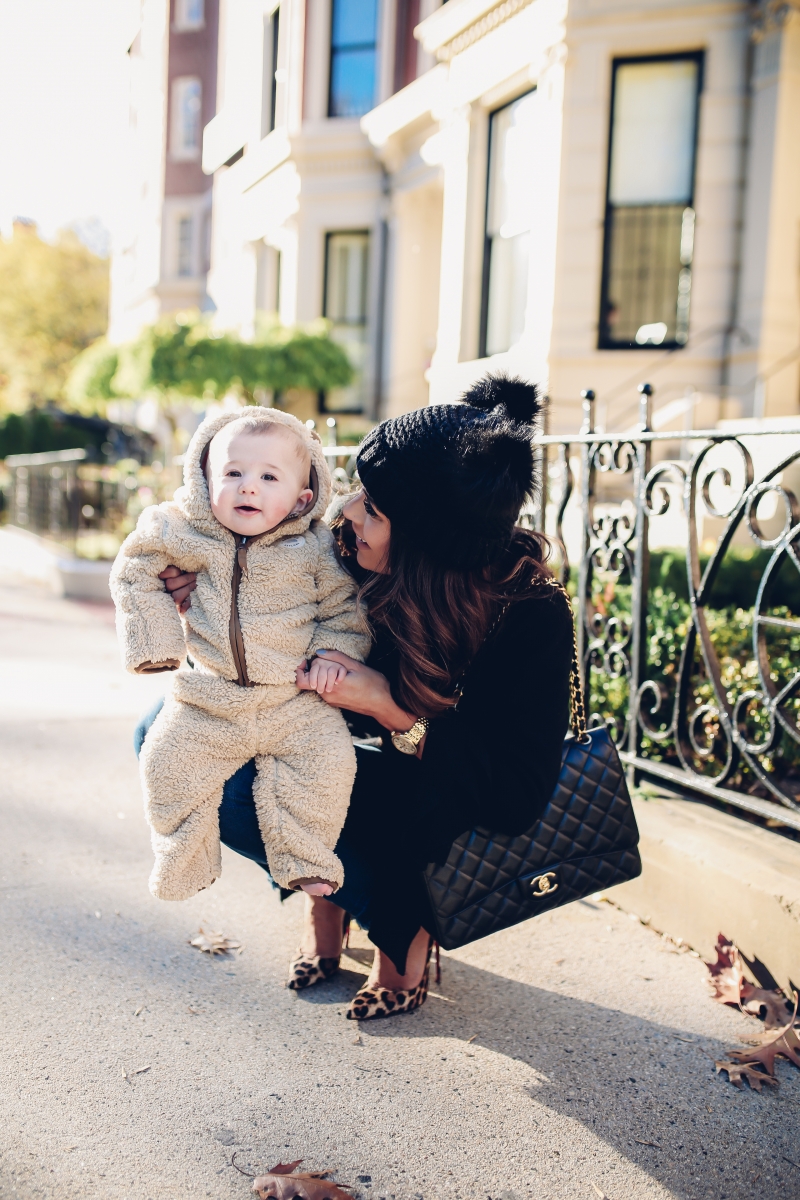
point(543, 885)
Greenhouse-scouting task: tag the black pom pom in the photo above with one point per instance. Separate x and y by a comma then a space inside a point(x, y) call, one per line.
point(515, 398)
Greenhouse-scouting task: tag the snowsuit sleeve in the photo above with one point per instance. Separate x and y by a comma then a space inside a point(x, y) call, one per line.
point(148, 625)
point(340, 626)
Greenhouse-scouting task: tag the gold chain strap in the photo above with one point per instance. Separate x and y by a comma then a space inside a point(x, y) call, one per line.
point(577, 706)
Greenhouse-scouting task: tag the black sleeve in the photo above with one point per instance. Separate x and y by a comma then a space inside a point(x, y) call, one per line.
point(495, 760)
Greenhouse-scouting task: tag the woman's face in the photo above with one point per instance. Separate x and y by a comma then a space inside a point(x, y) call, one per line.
point(373, 532)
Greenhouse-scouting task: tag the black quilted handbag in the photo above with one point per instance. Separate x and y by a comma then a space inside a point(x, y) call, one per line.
point(585, 841)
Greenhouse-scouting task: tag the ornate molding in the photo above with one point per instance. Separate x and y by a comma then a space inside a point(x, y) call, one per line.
point(503, 12)
point(769, 16)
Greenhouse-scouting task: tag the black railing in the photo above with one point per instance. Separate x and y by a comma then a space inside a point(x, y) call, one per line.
point(80, 506)
point(689, 640)
point(696, 672)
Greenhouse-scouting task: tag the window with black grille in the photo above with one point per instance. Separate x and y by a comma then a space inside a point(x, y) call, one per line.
point(650, 218)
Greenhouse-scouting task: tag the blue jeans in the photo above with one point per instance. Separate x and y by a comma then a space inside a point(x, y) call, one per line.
point(239, 830)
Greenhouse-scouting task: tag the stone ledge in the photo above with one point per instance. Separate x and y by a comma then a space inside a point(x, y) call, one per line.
point(705, 872)
point(26, 558)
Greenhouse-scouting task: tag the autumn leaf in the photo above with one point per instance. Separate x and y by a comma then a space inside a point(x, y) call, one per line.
point(731, 987)
point(754, 999)
point(726, 973)
point(213, 943)
point(283, 1183)
point(785, 1045)
point(738, 1072)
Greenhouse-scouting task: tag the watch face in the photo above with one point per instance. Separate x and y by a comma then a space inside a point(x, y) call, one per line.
point(403, 744)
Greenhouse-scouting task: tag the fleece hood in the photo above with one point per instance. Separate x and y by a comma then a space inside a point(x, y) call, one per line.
point(193, 498)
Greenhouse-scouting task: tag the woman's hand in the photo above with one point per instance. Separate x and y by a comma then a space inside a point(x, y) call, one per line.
point(362, 690)
point(180, 585)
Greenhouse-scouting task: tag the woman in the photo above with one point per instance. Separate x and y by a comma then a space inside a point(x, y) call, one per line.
point(459, 601)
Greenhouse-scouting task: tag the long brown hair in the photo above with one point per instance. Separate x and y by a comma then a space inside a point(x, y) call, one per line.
point(439, 617)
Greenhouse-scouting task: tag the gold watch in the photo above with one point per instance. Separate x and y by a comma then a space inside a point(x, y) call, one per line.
point(407, 742)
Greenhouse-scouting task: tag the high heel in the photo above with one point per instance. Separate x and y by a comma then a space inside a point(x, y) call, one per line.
point(306, 969)
point(372, 1002)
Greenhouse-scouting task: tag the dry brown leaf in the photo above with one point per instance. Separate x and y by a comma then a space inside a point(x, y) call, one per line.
point(213, 943)
point(283, 1183)
point(786, 1045)
point(731, 987)
point(738, 1072)
point(754, 999)
point(726, 973)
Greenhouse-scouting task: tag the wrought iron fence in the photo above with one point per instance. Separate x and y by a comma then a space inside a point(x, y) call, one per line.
point(698, 682)
point(85, 507)
point(693, 666)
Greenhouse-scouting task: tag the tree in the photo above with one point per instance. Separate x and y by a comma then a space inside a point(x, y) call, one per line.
point(53, 304)
point(183, 358)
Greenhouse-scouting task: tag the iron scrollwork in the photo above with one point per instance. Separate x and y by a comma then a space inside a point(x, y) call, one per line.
point(713, 703)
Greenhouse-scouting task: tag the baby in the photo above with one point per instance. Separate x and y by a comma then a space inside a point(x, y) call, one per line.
point(270, 593)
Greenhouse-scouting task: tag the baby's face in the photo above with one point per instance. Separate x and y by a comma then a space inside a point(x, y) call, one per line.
point(256, 479)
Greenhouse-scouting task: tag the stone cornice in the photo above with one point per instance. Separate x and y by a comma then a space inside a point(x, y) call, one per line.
point(454, 27)
point(770, 15)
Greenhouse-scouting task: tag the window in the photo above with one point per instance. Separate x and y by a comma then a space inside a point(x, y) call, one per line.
point(187, 95)
point(268, 279)
point(185, 247)
point(509, 208)
point(189, 14)
point(354, 25)
point(269, 85)
point(206, 241)
point(345, 306)
point(649, 228)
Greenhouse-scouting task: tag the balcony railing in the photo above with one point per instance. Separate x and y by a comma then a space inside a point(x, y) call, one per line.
point(683, 550)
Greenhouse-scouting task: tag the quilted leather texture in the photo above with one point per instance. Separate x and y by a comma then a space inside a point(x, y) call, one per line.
point(585, 840)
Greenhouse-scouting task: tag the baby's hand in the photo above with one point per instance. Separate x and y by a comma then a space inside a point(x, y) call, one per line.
point(314, 887)
point(323, 676)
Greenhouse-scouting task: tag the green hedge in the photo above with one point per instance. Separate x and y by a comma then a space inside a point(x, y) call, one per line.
point(35, 432)
point(737, 582)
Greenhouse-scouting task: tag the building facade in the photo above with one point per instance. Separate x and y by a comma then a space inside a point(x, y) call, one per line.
point(301, 210)
point(584, 192)
point(621, 200)
point(161, 261)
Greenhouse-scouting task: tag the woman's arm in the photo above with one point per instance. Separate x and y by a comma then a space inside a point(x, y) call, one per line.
point(363, 690)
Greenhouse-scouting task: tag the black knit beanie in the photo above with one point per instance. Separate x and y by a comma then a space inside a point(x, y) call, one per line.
point(453, 477)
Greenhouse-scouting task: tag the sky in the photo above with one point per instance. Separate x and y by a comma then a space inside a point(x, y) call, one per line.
point(63, 112)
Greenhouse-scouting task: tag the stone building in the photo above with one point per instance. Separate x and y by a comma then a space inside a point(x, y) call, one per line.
point(160, 263)
point(587, 192)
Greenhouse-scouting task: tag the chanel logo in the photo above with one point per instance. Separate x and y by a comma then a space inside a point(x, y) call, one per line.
point(542, 885)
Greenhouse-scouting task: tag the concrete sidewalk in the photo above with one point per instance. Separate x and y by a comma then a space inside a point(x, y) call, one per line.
point(571, 1051)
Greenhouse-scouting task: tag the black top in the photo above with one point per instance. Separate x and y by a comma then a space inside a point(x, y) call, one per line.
point(492, 762)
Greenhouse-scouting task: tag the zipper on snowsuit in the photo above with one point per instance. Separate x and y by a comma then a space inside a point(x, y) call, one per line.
point(235, 628)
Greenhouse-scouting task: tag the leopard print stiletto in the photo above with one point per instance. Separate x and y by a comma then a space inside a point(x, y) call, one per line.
point(372, 1002)
point(306, 969)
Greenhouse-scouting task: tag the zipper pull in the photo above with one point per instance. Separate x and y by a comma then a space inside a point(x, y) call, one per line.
point(241, 556)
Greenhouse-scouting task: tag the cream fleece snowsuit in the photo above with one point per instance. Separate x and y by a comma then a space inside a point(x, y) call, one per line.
point(261, 605)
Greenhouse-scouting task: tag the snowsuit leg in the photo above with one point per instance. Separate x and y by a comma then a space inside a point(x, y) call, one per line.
point(306, 766)
point(205, 731)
